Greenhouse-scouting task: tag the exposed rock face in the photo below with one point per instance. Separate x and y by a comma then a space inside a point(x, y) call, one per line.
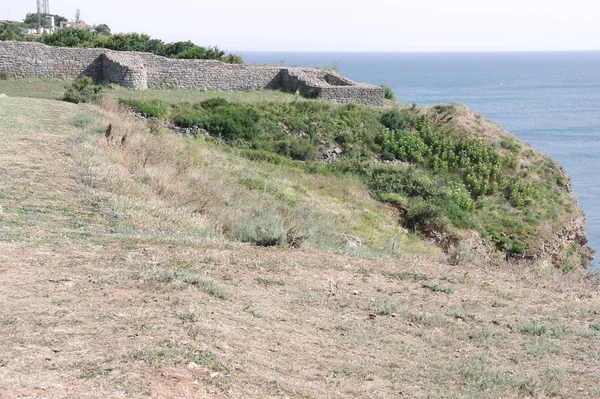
point(329, 155)
point(573, 233)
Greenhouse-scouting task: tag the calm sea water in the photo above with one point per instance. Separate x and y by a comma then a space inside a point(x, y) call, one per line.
point(550, 100)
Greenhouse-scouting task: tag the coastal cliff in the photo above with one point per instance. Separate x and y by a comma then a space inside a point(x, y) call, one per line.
point(561, 239)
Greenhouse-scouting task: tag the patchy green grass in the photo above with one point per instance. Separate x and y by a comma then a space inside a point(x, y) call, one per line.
point(167, 352)
point(439, 287)
point(54, 89)
point(409, 276)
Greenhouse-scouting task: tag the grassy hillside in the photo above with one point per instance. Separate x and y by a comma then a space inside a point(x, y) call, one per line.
point(450, 175)
point(445, 178)
point(122, 275)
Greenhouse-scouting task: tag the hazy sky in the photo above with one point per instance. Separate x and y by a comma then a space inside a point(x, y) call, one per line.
point(346, 25)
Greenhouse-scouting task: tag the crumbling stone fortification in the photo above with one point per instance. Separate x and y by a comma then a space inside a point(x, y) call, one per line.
point(144, 70)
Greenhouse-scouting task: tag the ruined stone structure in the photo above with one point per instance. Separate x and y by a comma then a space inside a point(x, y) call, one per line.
point(144, 70)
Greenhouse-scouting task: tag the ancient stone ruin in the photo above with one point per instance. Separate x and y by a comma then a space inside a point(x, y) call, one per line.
point(141, 71)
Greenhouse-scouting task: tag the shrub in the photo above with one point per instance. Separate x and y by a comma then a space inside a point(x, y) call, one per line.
point(461, 253)
point(388, 93)
point(424, 216)
point(533, 328)
point(265, 231)
point(385, 308)
point(394, 120)
point(302, 150)
point(83, 121)
point(409, 182)
point(82, 90)
point(519, 193)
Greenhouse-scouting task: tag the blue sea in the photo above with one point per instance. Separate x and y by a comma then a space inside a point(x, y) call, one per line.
point(549, 99)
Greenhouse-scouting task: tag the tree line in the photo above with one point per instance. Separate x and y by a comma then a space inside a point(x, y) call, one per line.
point(101, 37)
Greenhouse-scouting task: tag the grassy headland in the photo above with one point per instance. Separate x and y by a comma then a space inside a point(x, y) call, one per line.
point(122, 271)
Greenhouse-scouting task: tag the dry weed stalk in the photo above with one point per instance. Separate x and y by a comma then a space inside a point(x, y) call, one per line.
point(108, 134)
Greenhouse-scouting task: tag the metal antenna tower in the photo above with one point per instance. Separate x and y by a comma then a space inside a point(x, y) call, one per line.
point(43, 7)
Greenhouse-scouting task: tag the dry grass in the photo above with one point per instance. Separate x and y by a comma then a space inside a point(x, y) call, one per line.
point(111, 286)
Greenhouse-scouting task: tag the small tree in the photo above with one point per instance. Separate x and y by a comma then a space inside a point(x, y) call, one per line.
point(70, 38)
point(103, 29)
point(11, 32)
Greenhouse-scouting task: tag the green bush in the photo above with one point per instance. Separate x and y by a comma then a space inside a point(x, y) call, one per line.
point(82, 90)
point(424, 216)
point(83, 121)
point(409, 182)
point(264, 230)
point(302, 150)
point(388, 93)
point(394, 120)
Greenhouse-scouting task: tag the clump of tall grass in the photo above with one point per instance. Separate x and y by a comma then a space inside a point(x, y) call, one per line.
point(265, 231)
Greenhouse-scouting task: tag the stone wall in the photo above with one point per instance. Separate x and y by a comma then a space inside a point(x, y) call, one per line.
point(125, 70)
point(144, 70)
point(24, 59)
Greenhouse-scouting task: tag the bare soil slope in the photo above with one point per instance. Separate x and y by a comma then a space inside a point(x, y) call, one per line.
point(89, 312)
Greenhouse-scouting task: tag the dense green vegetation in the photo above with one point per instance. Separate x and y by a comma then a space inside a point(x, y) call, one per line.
point(102, 38)
point(34, 20)
point(11, 32)
point(442, 179)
